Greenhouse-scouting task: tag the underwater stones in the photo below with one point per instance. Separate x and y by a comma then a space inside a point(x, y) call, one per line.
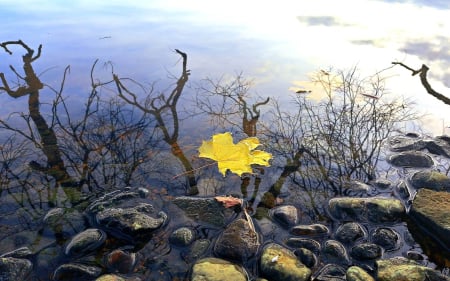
point(21, 252)
point(307, 257)
point(307, 243)
point(334, 252)
point(130, 223)
point(85, 242)
point(356, 188)
point(309, 230)
point(374, 209)
point(356, 273)
point(431, 209)
point(113, 199)
point(403, 269)
point(279, 263)
point(432, 180)
point(331, 272)
point(121, 261)
point(287, 215)
point(405, 143)
point(349, 233)
point(214, 269)
point(411, 159)
point(65, 222)
point(207, 210)
point(239, 241)
point(196, 250)
point(439, 146)
point(182, 236)
point(366, 251)
point(386, 237)
point(14, 268)
point(76, 272)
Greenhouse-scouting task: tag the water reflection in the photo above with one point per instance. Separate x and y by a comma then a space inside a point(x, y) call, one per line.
point(129, 134)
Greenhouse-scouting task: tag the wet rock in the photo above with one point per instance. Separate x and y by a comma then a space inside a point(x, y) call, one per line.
point(85, 242)
point(113, 199)
point(76, 272)
point(331, 272)
point(121, 261)
point(438, 146)
point(131, 223)
point(415, 256)
point(431, 210)
point(411, 159)
point(197, 250)
point(382, 184)
point(238, 241)
point(14, 268)
point(356, 273)
point(309, 230)
point(207, 210)
point(334, 252)
point(279, 263)
point(366, 251)
point(287, 215)
point(387, 238)
point(357, 188)
point(111, 277)
point(22, 252)
point(182, 236)
point(403, 269)
point(349, 233)
point(405, 143)
point(214, 269)
point(306, 256)
point(307, 243)
point(402, 190)
point(432, 180)
point(63, 222)
point(375, 209)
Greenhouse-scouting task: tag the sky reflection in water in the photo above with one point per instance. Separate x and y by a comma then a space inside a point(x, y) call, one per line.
point(278, 45)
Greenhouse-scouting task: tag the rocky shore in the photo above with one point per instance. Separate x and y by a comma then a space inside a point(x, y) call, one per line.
point(128, 235)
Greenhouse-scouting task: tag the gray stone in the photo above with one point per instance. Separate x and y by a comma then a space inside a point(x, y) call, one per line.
point(309, 230)
point(357, 188)
point(334, 252)
point(121, 261)
point(438, 146)
point(63, 222)
point(76, 272)
point(366, 251)
point(279, 263)
point(432, 180)
point(287, 215)
point(350, 232)
point(331, 272)
point(197, 250)
point(85, 242)
point(308, 243)
point(207, 210)
point(182, 236)
point(404, 143)
point(387, 238)
point(375, 209)
point(411, 159)
point(307, 257)
point(14, 269)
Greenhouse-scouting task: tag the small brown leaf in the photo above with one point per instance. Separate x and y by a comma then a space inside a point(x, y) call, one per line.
point(229, 201)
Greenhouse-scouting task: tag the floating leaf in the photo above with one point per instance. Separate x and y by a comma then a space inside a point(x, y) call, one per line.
point(229, 201)
point(234, 157)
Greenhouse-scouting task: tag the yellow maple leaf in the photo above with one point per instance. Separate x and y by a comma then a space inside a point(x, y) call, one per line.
point(234, 157)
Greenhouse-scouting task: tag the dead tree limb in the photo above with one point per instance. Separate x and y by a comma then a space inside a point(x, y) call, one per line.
point(423, 79)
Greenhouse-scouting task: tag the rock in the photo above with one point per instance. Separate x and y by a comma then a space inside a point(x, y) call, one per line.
point(309, 230)
point(85, 242)
point(22, 252)
point(76, 272)
point(403, 269)
point(182, 236)
point(331, 272)
point(197, 250)
point(404, 143)
point(207, 210)
point(366, 251)
point(131, 224)
point(357, 188)
point(14, 268)
point(121, 261)
point(438, 146)
point(349, 233)
point(113, 199)
point(431, 210)
point(432, 180)
point(237, 242)
point(334, 252)
point(63, 222)
point(375, 209)
point(287, 215)
point(279, 263)
point(111, 277)
point(356, 273)
point(387, 238)
point(307, 243)
point(411, 159)
point(214, 269)
point(307, 257)
point(382, 183)
point(403, 191)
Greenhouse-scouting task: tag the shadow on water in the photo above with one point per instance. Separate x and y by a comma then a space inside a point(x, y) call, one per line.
point(130, 134)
